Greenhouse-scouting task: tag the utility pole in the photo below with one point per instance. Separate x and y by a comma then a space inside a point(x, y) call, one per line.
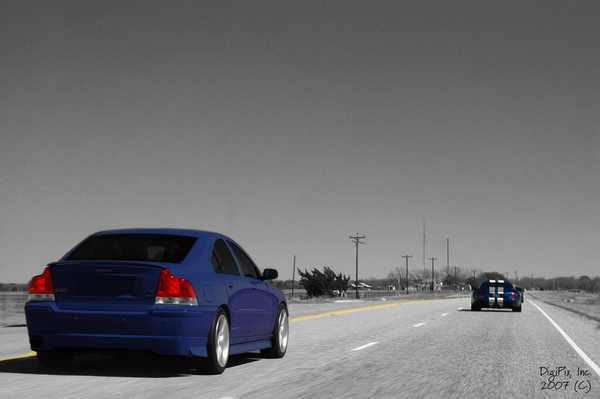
point(448, 254)
point(517, 276)
point(455, 279)
point(357, 241)
point(293, 275)
point(432, 273)
point(532, 282)
point(424, 244)
point(406, 257)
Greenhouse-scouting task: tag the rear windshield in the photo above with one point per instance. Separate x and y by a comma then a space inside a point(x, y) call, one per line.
point(506, 286)
point(135, 247)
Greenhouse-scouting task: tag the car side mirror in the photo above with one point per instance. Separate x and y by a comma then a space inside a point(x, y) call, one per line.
point(269, 274)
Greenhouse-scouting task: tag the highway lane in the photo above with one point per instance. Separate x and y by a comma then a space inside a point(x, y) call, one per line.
point(417, 350)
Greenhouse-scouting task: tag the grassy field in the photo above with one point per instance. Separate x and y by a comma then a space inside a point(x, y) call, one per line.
point(12, 308)
point(579, 302)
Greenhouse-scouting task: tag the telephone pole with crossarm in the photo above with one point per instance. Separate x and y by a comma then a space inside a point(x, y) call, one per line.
point(357, 240)
point(406, 257)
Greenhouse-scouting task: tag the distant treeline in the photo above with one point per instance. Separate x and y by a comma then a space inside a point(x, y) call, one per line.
point(397, 279)
point(14, 287)
point(572, 283)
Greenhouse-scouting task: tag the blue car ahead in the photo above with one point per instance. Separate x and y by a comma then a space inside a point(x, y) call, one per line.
point(175, 292)
point(500, 294)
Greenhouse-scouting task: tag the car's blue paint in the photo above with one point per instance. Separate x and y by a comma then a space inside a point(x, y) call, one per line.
point(128, 319)
point(498, 294)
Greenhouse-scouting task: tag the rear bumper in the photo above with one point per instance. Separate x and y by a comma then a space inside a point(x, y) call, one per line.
point(163, 330)
point(171, 346)
point(494, 303)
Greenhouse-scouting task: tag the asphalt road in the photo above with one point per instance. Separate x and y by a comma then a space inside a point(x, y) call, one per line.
point(411, 350)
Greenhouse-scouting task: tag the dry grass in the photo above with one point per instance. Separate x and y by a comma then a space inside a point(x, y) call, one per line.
point(379, 295)
point(12, 308)
point(578, 302)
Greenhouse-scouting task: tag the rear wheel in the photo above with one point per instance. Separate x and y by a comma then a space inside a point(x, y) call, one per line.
point(475, 308)
point(517, 309)
point(281, 334)
point(218, 344)
point(55, 359)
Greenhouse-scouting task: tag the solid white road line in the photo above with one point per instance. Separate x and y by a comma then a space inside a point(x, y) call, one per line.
point(364, 346)
point(581, 353)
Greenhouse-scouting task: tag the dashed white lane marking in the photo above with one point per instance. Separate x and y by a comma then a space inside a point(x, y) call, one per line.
point(581, 353)
point(418, 325)
point(364, 346)
point(445, 314)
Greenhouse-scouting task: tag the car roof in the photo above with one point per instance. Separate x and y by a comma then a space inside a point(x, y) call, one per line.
point(162, 230)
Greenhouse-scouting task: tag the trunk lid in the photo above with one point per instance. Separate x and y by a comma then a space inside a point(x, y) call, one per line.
point(105, 285)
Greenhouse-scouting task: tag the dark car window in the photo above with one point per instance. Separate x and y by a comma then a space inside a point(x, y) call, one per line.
point(248, 267)
point(222, 260)
point(134, 247)
point(494, 285)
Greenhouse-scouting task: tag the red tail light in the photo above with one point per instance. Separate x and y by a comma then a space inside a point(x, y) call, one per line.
point(479, 295)
point(41, 288)
point(513, 295)
point(174, 290)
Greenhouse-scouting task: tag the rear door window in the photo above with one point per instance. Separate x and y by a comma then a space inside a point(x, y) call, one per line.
point(222, 260)
point(249, 269)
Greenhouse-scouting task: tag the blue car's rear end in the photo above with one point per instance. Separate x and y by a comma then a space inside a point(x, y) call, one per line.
point(175, 292)
point(497, 294)
point(103, 296)
point(113, 306)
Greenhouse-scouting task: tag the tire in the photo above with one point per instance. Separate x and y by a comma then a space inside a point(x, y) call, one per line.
point(55, 359)
point(475, 308)
point(218, 344)
point(281, 335)
point(517, 309)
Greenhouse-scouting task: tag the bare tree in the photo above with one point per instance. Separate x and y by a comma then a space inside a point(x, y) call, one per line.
point(396, 278)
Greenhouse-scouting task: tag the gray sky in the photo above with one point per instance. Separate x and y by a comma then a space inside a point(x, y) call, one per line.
point(292, 125)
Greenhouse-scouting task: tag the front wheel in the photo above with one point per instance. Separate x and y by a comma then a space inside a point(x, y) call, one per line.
point(218, 344)
point(281, 334)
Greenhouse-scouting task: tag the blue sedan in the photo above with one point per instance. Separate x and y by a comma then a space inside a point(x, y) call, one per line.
point(499, 294)
point(175, 292)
